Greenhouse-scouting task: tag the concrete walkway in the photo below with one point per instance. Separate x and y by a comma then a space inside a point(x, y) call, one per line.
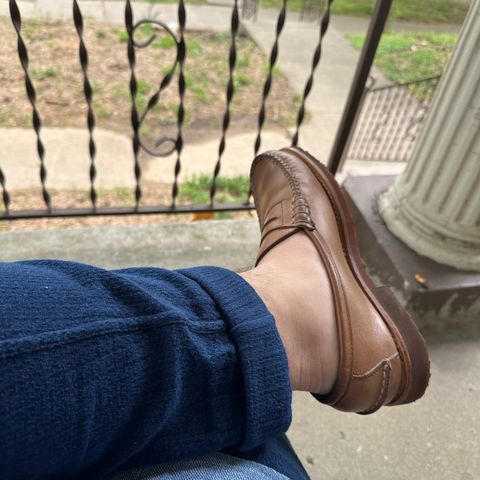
point(434, 439)
point(66, 149)
point(68, 162)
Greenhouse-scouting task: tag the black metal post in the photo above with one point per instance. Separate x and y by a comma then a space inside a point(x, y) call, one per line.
point(352, 108)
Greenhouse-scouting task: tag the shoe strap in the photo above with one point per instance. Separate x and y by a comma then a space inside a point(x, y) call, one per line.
point(280, 222)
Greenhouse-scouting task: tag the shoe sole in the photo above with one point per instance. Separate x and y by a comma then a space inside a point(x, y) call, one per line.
point(412, 347)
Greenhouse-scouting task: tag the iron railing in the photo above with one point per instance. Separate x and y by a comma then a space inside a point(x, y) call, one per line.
point(390, 121)
point(167, 145)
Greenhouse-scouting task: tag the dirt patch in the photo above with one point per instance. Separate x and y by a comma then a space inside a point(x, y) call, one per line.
point(57, 77)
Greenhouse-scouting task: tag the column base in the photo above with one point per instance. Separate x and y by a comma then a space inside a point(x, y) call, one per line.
point(434, 293)
point(416, 232)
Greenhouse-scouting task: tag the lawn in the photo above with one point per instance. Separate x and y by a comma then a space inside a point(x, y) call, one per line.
point(428, 11)
point(406, 57)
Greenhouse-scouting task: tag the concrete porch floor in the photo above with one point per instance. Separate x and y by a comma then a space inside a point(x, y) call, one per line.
point(437, 438)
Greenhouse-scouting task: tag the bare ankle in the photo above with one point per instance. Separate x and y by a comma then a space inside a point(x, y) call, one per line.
point(261, 281)
point(298, 295)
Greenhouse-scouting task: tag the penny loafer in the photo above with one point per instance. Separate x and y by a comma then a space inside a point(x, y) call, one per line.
point(383, 359)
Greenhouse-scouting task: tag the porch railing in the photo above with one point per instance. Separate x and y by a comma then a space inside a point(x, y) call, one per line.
point(167, 145)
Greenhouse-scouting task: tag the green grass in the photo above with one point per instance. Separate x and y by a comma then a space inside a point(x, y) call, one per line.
point(144, 91)
point(124, 194)
point(197, 82)
point(9, 119)
point(406, 57)
point(243, 60)
point(165, 43)
point(143, 87)
point(275, 69)
point(429, 11)
point(43, 73)
point(229, 189)
point(122, 35)
point(96, 87)
point(194, 47)
point(101, 110)
point(241, 80)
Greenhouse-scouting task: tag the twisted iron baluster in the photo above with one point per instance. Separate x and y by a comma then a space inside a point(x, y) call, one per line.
point(316, 60)
point(87, 90)
point(268, 82)
point(32, 97)
point(181, 54)
point(5, 195)
point(133, 94)
point(232, 61)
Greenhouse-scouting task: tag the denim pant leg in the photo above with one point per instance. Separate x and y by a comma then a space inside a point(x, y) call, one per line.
point(217, 466)
point(262, 463)
point(108, 370)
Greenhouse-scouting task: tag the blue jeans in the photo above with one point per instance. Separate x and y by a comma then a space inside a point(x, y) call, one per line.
point(108, 371)
point(216, 466)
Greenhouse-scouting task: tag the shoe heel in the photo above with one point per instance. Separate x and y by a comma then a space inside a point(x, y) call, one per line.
point(418, 363)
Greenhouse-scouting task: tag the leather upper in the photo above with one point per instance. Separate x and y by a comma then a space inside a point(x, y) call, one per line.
point(289, 198)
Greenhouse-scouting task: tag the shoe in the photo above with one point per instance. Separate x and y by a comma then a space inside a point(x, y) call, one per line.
point(383, 357)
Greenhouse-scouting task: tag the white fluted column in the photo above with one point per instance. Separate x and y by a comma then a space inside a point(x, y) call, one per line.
point(434, 205)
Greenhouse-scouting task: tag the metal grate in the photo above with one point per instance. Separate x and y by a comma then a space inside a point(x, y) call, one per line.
point(390, 121)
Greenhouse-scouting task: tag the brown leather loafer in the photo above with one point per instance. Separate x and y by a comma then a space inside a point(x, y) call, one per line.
point(383, 357)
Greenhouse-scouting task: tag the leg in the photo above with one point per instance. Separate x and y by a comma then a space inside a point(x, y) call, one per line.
point(379, 357)
point(292, 282)
point(132, 367)
point(275, 459)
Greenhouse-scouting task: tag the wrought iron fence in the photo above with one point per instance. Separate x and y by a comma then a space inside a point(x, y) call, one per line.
point(167, 145)
point(390, 121)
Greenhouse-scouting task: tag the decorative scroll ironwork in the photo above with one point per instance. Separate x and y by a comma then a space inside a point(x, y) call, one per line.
point(391, 120)
point(181, 55)
point(137, 118)
point(32, 97)
point(88, 92)
point(164, 83)
point(316, 60)
point(268, 81)
point(232, 61)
